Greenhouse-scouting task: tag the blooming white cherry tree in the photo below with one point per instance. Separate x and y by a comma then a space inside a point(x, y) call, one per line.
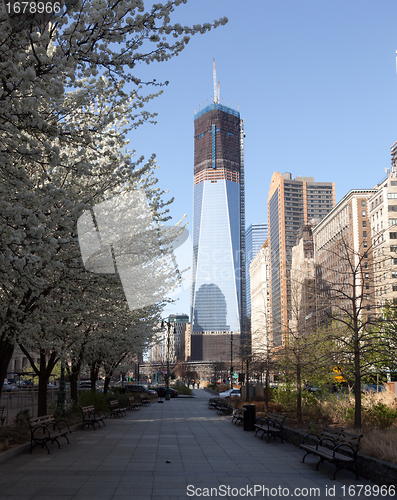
point(69, 95)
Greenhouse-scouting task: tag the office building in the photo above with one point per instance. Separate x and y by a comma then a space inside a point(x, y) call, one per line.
point(255, 236)
point(260, 303)
point(291, 203)
point(218, 270)
point(179, 322)
point(303, 284)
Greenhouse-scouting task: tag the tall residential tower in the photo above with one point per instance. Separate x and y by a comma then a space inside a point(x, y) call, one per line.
point(218, 271)
point(291, 203)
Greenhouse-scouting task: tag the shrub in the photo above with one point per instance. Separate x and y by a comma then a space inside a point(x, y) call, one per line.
point(260, 406)
point(286, 397)
point(381, 444)
point(379, 415)
point(22, 418)
point(311, 405)
point(183, 389)
point(97, 399)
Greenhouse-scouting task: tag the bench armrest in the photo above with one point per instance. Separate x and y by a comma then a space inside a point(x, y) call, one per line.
point(311, 435)
point(347, 446)
point(325, 440)
point(45, 432)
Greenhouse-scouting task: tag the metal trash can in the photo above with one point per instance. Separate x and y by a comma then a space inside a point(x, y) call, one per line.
point(249, 417)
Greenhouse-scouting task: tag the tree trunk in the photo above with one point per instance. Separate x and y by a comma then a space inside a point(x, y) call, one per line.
point(6, 352)
point(298, 393)
point(44, 374)
point(94, 371)
point(106, 384)
point(73, 378)
point(267, 383)
point(357, 387)
point(42, 401)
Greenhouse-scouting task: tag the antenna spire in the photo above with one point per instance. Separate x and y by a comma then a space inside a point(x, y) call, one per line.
point(216, 84)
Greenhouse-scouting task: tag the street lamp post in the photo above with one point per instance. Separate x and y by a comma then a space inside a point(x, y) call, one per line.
point(231, 360)
point(168, 324)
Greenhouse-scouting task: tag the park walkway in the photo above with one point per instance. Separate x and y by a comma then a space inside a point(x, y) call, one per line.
point(169, 451)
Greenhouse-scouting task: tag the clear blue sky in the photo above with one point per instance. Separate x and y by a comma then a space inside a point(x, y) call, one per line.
point(315, 81)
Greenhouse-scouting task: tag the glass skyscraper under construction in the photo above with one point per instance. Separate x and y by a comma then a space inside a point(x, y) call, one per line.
point(218, 270)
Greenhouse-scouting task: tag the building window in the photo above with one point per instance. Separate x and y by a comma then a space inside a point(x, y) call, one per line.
point(394, 288)
point(367, 286)
point(363, 213)
point(364, 223)
point(363, 203)
point(364, 234)
point(393, 236)
point(365, 244)
point(393, 248)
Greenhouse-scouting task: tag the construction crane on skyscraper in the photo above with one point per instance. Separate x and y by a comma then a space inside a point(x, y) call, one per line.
point(216, 84)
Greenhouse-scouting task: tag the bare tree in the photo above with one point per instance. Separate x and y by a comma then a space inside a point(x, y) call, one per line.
point(346, 280)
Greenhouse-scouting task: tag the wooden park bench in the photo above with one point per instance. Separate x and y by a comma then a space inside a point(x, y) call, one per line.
point(145, 401)
point(224, 408)
point(212, 403)
point(133, 404)
point(238, 416)
point(45, 429)
point(91, 416)
point(272, 425)
point(115, 410)
point(334, 445)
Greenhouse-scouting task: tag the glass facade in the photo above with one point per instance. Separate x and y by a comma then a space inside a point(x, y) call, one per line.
point(255, 236)
point(216, 257)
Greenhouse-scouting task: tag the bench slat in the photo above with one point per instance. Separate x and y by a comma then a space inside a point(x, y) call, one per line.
point(334, 445)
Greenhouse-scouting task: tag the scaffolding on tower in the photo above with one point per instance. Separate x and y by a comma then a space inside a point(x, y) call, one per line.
point(243, 300)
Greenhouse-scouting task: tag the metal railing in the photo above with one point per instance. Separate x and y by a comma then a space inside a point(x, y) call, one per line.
point(25, 399)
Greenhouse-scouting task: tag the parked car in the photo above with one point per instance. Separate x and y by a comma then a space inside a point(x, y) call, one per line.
point(310, 388)
point(6, 386)
point(25, 384)
point(139, 388)
point(231, 393)
point(162, 392)
point(84, 386)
